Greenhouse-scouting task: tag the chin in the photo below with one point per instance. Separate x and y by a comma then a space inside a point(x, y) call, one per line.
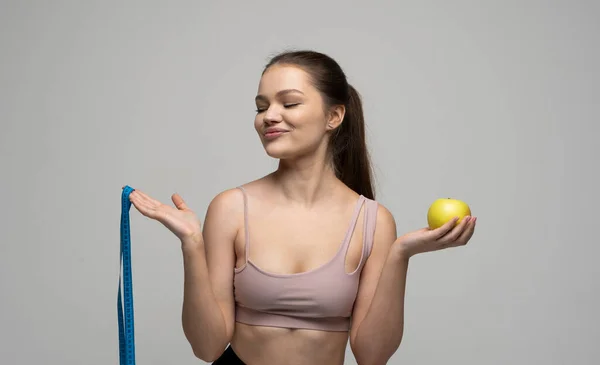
point(281, 149)
point(278, 152)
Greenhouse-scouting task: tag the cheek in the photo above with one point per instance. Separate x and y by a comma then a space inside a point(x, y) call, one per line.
point(257, 122)
point(313, 125)
point(310, 132)
point(310, 120)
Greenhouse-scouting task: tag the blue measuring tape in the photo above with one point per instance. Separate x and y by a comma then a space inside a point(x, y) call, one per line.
point(125, 305)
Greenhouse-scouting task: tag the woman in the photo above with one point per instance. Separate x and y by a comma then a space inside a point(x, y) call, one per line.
point(290, 266)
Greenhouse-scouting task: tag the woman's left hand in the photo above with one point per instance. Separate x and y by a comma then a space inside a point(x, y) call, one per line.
point(446, 236)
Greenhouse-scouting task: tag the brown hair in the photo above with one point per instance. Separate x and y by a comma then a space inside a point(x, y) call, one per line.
point(348, 146)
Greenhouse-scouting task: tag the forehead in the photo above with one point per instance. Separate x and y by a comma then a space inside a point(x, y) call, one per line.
point(281, 77)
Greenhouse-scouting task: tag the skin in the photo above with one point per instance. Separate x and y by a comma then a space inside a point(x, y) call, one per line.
point(297, 218)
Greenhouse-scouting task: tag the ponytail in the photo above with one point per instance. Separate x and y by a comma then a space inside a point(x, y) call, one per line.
point(349, 148)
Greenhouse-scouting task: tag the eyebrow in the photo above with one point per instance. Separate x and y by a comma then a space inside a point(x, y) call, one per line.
point(279, 93)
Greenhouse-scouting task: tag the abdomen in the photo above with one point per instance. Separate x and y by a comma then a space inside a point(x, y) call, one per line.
point(271, 345)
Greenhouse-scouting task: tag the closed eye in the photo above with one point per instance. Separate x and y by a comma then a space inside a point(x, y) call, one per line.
point(259, 110)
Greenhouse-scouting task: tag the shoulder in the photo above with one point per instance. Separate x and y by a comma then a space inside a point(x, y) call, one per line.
point(385, 217)
point(224, 219)
point(230, 202)
point(385, 223)
point(384, 233)
point(225, 212)
point(227, 201)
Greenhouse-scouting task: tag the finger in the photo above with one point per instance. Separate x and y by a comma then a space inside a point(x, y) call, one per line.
point(137, 203)
point(456, 232)
point(465, 236)
point(179, 202)
point(146, 205)
point(149, 200)
point(468, 233)
point(441, 231)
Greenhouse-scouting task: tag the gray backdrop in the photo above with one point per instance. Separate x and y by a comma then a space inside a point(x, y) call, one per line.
point(492, 102)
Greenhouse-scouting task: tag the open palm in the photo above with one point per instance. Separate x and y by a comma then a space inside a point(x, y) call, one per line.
point(446, 236)
point(179, 219)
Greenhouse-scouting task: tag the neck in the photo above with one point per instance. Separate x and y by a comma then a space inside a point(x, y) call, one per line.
point(306, 180)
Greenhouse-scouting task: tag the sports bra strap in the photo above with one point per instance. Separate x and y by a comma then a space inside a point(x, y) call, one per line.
point(369, 228)
point(246, 233)
point(352, 226)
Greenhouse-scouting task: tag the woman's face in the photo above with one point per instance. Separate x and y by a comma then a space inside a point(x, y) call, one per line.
point(290, 119)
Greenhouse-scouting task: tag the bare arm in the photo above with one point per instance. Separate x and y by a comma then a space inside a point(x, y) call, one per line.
point(378, 324)
point(208, 304)
point(378, 318)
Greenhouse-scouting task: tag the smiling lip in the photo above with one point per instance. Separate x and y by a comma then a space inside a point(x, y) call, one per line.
point(273, 133)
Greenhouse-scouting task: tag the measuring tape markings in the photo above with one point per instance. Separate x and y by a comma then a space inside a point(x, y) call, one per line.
point(125, 305)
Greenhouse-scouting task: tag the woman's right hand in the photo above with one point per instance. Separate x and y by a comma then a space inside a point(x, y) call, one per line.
point(179, 219)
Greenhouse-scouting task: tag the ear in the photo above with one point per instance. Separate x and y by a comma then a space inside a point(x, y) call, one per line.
point(336, 116)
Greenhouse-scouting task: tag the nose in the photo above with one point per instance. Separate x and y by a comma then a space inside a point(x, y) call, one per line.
point(272, 116)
